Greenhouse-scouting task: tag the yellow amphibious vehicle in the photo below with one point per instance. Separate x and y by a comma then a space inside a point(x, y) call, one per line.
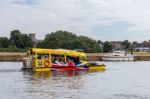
point(58, 59)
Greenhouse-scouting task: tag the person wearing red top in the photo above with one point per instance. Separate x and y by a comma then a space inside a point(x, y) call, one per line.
point(70, 63)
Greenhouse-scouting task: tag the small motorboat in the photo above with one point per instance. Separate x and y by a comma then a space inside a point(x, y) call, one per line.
point(118, 56)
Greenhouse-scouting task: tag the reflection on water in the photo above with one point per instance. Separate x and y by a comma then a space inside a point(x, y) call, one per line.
point(56, 83)
point(43, 75)
point(121, 80)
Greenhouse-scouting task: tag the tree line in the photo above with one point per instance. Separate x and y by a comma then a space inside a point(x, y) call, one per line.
point(69, 40)
point(57, 40)
point(15, 42)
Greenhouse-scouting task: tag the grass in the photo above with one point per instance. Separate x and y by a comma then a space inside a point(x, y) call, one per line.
point(142, 53)
point(15, 52)
point(12, 54)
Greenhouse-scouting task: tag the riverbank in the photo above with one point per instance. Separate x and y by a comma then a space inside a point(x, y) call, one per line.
point(18, 56)
point(12, 56)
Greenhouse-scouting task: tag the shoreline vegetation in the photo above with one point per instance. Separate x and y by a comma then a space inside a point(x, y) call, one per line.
point(20, 42)
point(14, 47)
point(18, 56)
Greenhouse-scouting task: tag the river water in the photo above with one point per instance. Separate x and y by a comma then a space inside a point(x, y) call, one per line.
point(120, 80)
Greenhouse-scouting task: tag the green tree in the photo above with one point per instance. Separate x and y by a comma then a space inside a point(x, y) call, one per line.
point(26, 41)
point(100, 43)
point(40, 44)
point(4, 42)
point(64, 39)
point(49, 42)
point(126, 44)
point(16, 39)
point(68, 40)
point(88, 44)
point(107, 47)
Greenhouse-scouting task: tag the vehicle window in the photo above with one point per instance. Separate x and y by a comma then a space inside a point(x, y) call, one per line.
point(74, 59)
point(41, 56)
point(58, 58)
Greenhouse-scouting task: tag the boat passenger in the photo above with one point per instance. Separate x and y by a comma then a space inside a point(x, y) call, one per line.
point(39, 57)
point(61, 61)
point(46, 57)
point(76, 61)
point(70, 62)
point(53, 59)
point(58, 61)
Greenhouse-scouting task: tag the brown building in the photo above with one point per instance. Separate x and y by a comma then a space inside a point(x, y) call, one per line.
point(117, 45)
point(33, 37)
point(144, 46)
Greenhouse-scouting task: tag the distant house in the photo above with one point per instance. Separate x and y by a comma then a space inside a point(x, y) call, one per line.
point(144, 46)
point(117, 45)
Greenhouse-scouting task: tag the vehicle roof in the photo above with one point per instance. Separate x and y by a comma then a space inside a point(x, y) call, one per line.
point(59, 51)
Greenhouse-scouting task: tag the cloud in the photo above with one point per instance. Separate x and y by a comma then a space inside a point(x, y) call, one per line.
point(24, 2)
point(94, 18)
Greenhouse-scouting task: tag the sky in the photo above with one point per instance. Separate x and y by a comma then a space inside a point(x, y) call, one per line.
point(104, 20)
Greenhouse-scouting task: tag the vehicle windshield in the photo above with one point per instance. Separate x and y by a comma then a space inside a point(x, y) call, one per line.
point(83, 58)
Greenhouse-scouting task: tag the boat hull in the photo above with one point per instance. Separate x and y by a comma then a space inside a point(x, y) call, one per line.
point(28, 65)
point(97, 68)
point(92, 67)
point(68, 68)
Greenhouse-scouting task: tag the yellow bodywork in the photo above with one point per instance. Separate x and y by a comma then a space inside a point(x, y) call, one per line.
point(98, 67)
point(35, 51)
point(42, 69)
point(45, 64)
